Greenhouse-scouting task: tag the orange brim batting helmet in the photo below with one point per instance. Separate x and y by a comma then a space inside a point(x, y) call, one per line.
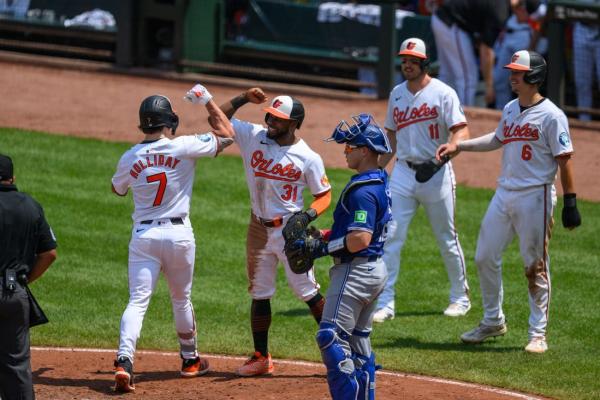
point(530, 62)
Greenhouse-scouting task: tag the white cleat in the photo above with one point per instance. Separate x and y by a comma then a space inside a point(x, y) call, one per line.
point(482, 332)
point(537, 345)
point(457, 310)
point(383, 314)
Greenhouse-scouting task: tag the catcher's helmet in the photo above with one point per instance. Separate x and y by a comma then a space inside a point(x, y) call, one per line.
point(286, 107)
point(364, 132)
point(415, 47)
point(156, 111)
point(532, 63)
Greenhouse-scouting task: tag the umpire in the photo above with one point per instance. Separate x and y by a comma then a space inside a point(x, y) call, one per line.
point(27, 248)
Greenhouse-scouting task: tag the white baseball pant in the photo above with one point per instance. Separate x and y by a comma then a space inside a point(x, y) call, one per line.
point(438, 199)
point(156, 246)
point(528, 214)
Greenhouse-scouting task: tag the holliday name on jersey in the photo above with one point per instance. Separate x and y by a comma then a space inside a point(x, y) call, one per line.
point(156, 160)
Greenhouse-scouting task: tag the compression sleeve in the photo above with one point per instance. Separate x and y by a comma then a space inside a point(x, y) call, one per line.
point(486, 142)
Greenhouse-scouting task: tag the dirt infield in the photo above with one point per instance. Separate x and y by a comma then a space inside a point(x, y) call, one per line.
point(105, 106)
point(86, 374)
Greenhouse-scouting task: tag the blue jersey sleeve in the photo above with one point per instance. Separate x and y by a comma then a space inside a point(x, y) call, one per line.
point(362, 206)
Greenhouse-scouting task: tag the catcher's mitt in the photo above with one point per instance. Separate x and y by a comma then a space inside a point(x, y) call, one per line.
point(295, 227)
point(298, 255)
point(426, 170)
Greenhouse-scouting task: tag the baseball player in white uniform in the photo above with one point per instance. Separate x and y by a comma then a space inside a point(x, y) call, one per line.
point(160, 173)
point(534, 134)
point(279, 165)
point(423, 113)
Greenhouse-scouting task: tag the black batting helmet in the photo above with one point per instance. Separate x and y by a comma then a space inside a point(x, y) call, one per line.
point(156, 111)
point(532, 63)
point(286, 107)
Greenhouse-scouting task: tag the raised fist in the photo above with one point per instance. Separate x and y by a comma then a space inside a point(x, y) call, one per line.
point(198, 95)
point(256, 95)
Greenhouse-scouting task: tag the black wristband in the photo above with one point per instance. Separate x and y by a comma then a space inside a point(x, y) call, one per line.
point(570, 199)
point(239, 101)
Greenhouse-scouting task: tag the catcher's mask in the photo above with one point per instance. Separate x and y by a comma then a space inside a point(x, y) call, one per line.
point(415, 47)
point(532, 63)
point(156, 111)
point(363, 132)
point(286, 107)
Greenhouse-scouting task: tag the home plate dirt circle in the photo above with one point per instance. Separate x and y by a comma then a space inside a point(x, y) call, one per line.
point(65, 373)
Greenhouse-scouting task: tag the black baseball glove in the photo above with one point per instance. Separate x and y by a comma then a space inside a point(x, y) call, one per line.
point(294, 232)
point(296, 226)
point(570, 214)
point(426, 170)
point(301, 253)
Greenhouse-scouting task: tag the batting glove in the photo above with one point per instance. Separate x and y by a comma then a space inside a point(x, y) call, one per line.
point(570, 214)
point(198, 95)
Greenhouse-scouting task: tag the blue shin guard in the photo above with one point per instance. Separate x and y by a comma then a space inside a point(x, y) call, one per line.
point(341, 374)
point(366, 376)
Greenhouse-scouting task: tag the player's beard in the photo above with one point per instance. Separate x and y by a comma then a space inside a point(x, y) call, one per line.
point(274, 133)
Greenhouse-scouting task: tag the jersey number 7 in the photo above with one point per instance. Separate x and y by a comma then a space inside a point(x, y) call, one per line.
point(162, 185)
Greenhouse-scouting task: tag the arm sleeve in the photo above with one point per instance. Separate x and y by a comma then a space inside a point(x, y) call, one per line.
point(46, 240)
point(316, 177)
point(121, 178)
point(487, 142)
point(363, 209)
point(559, 137)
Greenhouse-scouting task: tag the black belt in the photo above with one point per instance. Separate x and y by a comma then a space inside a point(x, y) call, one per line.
point(271, 223)
point(174, 221)
point(349, 259)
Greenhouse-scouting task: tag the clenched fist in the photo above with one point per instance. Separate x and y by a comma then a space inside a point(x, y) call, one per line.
point(256, 95)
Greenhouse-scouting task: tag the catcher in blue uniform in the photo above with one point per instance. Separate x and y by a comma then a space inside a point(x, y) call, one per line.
point(358, 275)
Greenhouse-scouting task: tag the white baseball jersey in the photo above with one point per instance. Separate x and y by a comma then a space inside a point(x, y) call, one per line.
point(531, 140)
point(161, 175)
point(422, 121)
point(277, 175)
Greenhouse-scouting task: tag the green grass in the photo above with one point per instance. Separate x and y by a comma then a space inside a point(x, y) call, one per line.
point(85, 292)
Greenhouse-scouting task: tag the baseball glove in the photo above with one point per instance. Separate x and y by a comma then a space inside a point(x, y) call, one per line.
point(295, 235)
point(298, 255)
point(426, 170)
point(296, 226)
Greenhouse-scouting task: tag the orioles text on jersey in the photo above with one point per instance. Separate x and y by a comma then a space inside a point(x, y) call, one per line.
point(514, 133)
point(262, 167)
point(414, 115)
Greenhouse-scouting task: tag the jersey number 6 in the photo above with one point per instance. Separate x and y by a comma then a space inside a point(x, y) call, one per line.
point(526, 153)
point(162, 184)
